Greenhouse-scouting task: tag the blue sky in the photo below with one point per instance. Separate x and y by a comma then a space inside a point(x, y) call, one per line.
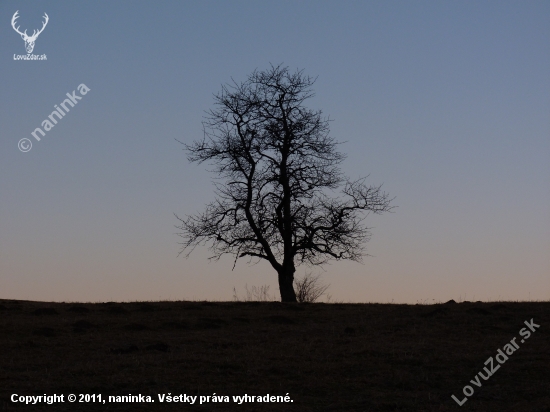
point(445, 103)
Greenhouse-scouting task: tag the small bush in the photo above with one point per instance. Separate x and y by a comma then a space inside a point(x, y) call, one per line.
point(255, 294)
point(309, 288)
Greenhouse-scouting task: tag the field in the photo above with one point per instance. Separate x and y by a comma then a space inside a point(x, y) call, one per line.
point(326, 357)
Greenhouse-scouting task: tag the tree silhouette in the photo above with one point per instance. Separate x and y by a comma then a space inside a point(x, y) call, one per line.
point(277, 171)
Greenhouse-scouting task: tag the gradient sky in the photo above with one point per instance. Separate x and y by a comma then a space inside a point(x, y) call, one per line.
point(447, 103)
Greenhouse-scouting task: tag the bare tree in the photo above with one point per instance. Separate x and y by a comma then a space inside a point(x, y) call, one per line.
point(277, 171)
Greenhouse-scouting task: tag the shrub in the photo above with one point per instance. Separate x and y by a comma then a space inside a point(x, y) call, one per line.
point(309, 288)
point(255, 294)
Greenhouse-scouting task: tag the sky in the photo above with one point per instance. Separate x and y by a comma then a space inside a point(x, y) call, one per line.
point(445, 103)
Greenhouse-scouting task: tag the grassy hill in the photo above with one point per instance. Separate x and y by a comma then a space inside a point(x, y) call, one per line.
point(326, 357)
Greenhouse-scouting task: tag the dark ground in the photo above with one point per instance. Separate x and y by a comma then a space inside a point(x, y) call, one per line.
point(327, 357)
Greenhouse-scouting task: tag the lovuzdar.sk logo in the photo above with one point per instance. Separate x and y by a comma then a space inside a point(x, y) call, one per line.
point(29, 40)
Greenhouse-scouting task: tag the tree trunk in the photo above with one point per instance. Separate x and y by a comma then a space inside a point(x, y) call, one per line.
point(286, 285)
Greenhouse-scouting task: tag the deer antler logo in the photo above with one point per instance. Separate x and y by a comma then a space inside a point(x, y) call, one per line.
point(29, 40)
